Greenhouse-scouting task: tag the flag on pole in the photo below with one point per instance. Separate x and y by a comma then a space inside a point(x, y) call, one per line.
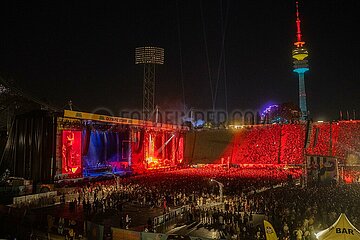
point(269, 231)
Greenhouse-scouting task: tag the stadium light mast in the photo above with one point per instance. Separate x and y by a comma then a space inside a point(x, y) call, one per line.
point(149, 57)
point(299, 54)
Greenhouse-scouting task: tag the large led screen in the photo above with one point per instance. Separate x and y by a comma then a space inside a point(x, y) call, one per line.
point(71, 152)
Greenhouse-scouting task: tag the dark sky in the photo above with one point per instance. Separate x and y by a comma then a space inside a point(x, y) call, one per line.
point(84, 51)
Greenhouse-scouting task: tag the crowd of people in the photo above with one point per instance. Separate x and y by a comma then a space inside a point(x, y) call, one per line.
point(171, 189)
point(270, 144)
point(250, 194)
point(286, 143)
point(347, 143)
point(259, 145)
point(295, 212)
point(339, 139)
point(292, 143)
point(320, 139)
point(298, 213)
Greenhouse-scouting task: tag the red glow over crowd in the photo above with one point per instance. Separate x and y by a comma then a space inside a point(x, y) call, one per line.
point(320, 140)
point(337, 139)
point(260, 145)
point(287, 144)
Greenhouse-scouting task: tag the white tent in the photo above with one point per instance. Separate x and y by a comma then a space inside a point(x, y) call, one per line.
point(342, 229)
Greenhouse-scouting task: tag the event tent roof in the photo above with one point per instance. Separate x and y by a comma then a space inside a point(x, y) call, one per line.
point(342, 229)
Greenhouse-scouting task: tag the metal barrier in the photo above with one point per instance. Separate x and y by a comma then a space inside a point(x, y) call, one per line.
point(211, 205)
point(162, 219)
point(33, 197)
point(159, 220)
point(118, 233)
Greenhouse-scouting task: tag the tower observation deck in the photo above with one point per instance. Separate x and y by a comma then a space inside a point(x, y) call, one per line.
point(299, 55)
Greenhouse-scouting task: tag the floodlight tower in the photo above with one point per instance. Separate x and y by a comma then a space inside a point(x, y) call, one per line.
point(299, 54)
point(149, 57)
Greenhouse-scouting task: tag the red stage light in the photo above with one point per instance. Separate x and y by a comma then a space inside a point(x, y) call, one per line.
point(181, 150)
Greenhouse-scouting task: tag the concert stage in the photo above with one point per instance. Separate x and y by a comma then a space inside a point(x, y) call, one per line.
point(92, 145)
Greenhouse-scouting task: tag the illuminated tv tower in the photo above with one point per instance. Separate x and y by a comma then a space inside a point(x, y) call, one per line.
point(301, 66)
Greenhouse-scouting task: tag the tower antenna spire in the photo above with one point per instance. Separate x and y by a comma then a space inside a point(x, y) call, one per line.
point(299, 42)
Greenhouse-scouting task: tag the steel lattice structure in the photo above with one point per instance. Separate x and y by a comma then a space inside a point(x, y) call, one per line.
point(149, 57)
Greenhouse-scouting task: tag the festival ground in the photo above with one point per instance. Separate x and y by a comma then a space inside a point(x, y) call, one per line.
point(140, 207)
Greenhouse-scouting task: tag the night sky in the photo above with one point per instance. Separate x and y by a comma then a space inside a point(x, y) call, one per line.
point(84, 51)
